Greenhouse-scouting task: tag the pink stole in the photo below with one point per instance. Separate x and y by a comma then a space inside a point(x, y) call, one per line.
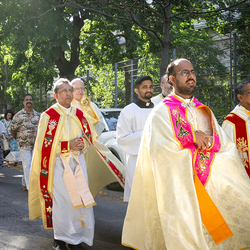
point(202, 162)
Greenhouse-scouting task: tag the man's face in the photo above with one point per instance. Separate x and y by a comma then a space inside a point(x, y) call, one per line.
point(78, 90)
point(64, 95)
point(184, 85)
point(166, 87)
point(245, 98)
point(28, 101)
point(145, 91)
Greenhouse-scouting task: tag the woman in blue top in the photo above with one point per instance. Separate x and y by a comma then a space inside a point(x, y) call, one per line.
point(13, 156)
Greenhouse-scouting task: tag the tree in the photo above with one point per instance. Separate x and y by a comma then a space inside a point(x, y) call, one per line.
point(163, 20)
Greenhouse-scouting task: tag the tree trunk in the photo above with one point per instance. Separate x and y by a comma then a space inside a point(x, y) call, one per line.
point(166, 43)
point(67, 68)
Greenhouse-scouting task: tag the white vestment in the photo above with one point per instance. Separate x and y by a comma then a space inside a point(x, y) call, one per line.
point(157, 99)
point(129, 131)
point(163, 212)
point(99, 127)
point(66, 220)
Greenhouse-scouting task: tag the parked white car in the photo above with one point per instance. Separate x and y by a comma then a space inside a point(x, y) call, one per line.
point(108, 137)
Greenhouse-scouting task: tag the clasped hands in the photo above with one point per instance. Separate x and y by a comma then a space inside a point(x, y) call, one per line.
point(76, 144)
point(202, 140)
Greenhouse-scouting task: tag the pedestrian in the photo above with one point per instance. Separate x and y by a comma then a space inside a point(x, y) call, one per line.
point(166, 90)
point(190, 188)
point(24, 129)
point(14, 155)
point(2, 133)
point(61, 191)
point(130, 127)
point(90, 109)
point(237, 123)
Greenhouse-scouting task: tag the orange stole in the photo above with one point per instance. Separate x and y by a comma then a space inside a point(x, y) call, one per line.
point(210, 215)
point(241, 138)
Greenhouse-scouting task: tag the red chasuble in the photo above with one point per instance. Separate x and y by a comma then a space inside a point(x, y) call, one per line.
point(241, 138)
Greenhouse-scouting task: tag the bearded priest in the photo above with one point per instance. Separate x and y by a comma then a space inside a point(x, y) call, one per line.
point(190, 188)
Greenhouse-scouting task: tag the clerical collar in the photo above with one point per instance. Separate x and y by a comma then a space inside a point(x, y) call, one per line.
point(143, 104)
point(66, 110)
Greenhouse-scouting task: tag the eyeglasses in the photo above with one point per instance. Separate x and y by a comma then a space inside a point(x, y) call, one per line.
point(66, 91)
point(186, 72)
point(78, 89)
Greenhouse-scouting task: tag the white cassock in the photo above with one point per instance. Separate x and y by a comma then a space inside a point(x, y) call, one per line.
point(157, 99)
point(99, 127)
point(66, 220)
point(129, 130)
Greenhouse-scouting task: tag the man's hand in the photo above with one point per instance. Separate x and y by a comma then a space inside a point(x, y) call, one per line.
point(14, 133)
point(9, 137)
point(202, 140)
point(76, 144)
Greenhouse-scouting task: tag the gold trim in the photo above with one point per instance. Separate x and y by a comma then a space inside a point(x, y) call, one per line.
point(129, 246)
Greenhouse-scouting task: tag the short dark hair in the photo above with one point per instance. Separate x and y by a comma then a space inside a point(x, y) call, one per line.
point(7, 112)
point(27, 95)
point(139, 81)
point(240, 87)
point(170, 71)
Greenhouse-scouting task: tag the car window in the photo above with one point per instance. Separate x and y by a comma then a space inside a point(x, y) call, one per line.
point(111, 118)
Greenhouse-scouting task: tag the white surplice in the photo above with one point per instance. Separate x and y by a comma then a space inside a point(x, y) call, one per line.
point(129, 130)
point(157, 99)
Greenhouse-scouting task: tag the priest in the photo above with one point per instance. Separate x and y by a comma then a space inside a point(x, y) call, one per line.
point(190, 188)
point(67, 172)
point(237, 123)
point(130, 126)
point(89, 108)
point(166, 90)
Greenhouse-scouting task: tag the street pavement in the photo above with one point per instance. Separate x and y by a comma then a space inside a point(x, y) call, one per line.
point(18, 232)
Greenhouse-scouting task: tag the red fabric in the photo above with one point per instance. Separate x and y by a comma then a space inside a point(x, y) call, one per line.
point(64, 147)
point(45, 160)
point(241, 138)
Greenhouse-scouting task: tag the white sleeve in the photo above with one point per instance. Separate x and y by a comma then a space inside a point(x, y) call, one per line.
point(127, 139)
point(2, 128)
point(229, 129)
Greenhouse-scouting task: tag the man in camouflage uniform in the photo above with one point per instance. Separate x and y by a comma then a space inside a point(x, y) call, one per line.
point(24, 129)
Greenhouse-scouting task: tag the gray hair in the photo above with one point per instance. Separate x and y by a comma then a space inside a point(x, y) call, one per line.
point(59, 82)
point(76, 80)
point(240, 88)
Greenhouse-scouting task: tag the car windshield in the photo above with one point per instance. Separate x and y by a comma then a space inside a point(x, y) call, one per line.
point(111, 118)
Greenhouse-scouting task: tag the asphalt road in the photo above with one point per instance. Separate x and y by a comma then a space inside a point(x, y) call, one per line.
point(18, 232)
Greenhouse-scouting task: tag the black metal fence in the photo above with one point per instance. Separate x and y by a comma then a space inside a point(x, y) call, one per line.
point(217, 74)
